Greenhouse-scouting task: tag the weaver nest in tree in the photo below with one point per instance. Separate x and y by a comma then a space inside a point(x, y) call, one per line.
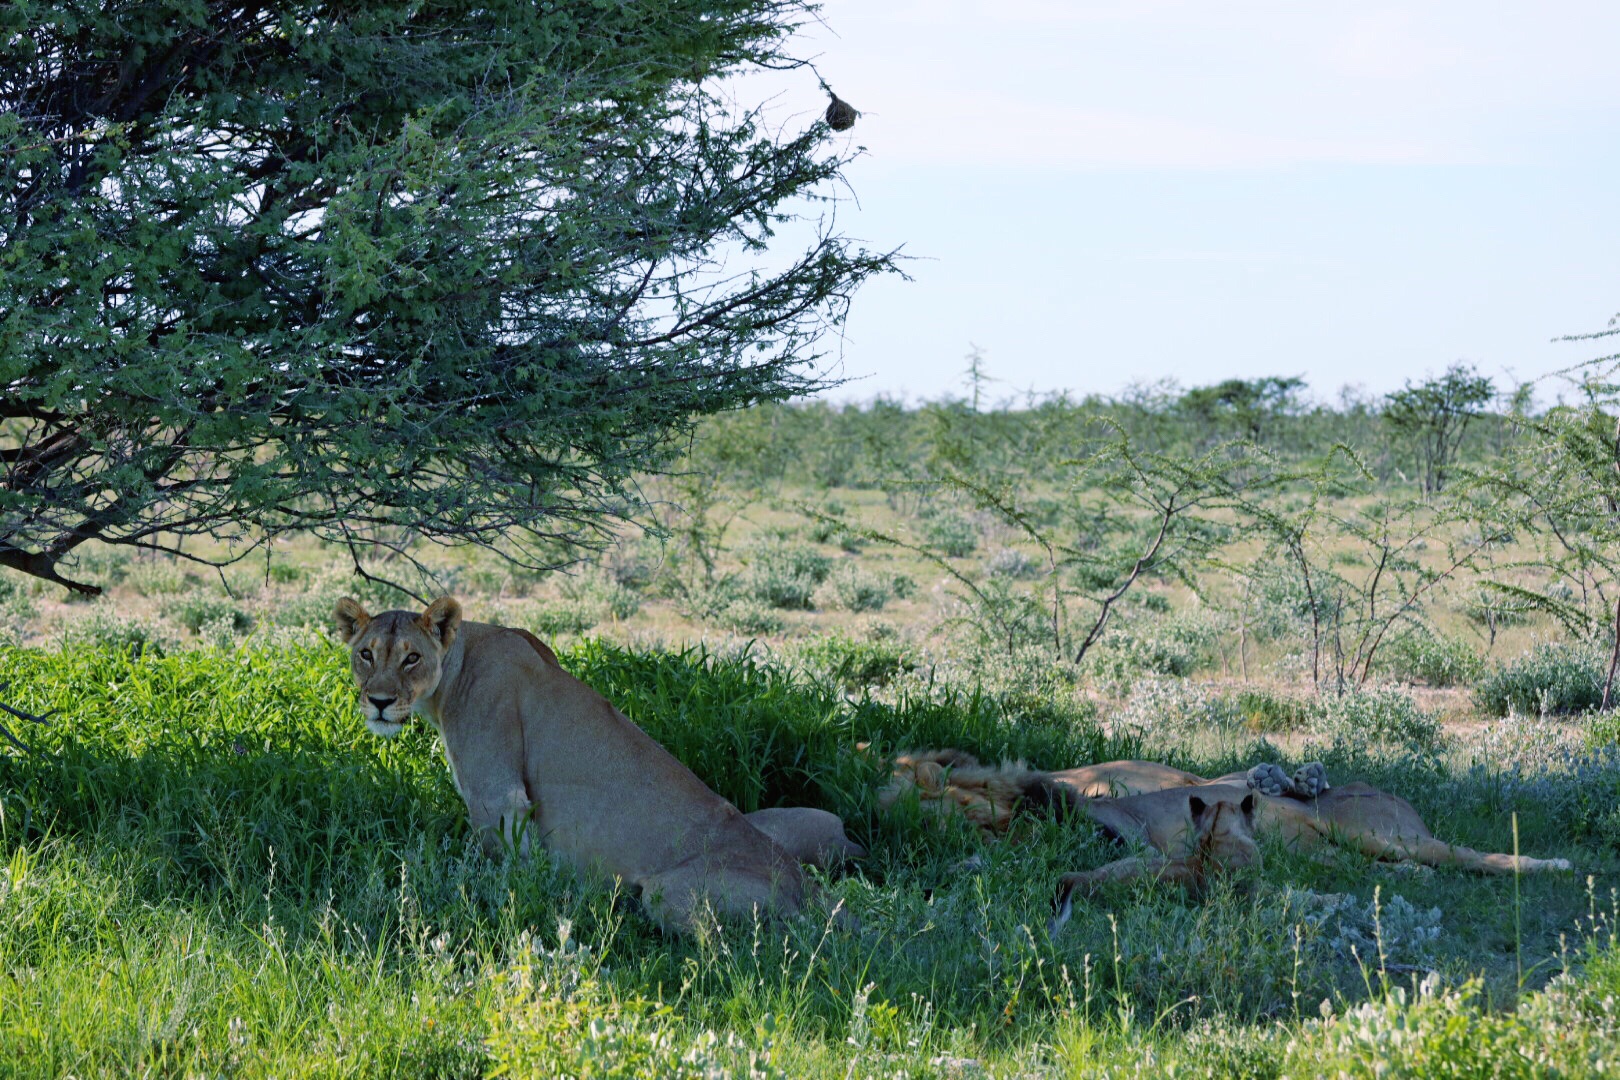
point(840, 114)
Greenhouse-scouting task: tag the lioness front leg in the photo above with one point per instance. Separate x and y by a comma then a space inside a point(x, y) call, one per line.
point(1149, 864)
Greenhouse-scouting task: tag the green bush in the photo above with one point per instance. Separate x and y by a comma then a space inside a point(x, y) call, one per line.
point(851, 588)
point(103, 630)
point(157, 578)
point(1553, 678)
point(1377, 715)
point(953, 534)
point(1010, 563)
point(195, 611)
point(603, 593)
point(1175, 646)
point(1422, 656)
point(565, 618)
point(16, 606)
point(102, 565)
point(301, 609)
point(857, 664)
point(284, 572)
point(633, 564)
point(783, 573)
point(1261, 710)
point(1487, 608)
point(750, 617)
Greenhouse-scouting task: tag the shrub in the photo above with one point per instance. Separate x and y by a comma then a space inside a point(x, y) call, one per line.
point(15, 603)
point(744, 616)
point(1435, 659)
point(851, 588)
point(857, 664)
point(823, 531)
point(311, 609)
point(102, 565)
point(784, 573)
point(1381, 714)
point(1261, 710)
point(633, 564)
point(158, 578)
point(1605, 730)
point(1173, 708)
point(1010, 563)
point(603, 593)
point(1486, 608)
point(194, 611)
point(286, 573)
point(101, 629)
point(1176, 647)
point(566, 618)
point(955, 535)
point(1552, 678)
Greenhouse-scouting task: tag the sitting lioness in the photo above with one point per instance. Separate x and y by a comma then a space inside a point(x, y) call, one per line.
point(539, 757)
point(1148, 802)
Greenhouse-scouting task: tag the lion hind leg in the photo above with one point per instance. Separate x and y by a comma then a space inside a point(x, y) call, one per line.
point(813, 837)
point(1432, 852)
point(683, 897)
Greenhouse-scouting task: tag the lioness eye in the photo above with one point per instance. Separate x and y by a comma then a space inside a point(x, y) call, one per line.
point(411, 659)
point(365, 654)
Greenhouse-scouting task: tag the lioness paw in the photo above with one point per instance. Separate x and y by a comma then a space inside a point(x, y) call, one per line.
point(1269, 779)
point(1311, 780)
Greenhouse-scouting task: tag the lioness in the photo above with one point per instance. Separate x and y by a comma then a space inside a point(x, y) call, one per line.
point(1222, 839)
point(1145, 801)
point(538, 756)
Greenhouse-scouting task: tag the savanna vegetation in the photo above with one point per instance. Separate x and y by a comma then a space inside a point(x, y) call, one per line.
point(206, 851)
point(301, 300)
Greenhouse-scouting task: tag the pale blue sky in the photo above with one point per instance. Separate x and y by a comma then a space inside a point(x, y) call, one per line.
point(1101, 192)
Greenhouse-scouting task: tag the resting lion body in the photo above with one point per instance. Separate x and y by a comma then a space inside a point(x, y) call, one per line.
point(1221, 838)
point(541, 758)
point(1145, 802)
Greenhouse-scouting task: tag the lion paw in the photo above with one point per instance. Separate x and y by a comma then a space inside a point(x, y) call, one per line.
point(1311, 780)
point(1269, 779)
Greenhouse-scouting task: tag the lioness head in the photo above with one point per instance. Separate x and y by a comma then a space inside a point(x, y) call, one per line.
point(1224, 831)
point(396, 657)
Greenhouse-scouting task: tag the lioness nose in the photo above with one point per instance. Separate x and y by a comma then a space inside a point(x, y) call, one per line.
point(382, 702)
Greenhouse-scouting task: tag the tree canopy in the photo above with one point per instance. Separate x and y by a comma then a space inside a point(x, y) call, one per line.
point(1435, 413)
point(449, 269)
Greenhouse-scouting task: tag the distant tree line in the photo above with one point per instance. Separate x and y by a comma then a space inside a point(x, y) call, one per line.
point(1419, 434)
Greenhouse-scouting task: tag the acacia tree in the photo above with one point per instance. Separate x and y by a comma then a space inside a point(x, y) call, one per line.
point(1434, 415)
point(448, 270)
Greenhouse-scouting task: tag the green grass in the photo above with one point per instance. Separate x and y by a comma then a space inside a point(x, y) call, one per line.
point(211, 868)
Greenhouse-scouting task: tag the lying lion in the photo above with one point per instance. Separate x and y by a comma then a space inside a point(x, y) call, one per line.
point(538, 756)
point(1221, 839)
point(1170, 811)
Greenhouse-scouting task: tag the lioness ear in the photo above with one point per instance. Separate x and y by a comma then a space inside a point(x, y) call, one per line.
point(1197, 806)
point(1247, 806)
point(441, 620)
point(350, 618)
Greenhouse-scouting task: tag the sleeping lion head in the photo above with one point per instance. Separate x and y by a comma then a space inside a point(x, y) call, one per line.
point(1223, 831)
point(396, 657)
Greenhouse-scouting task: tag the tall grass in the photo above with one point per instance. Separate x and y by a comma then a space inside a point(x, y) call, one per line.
point(211, 869)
